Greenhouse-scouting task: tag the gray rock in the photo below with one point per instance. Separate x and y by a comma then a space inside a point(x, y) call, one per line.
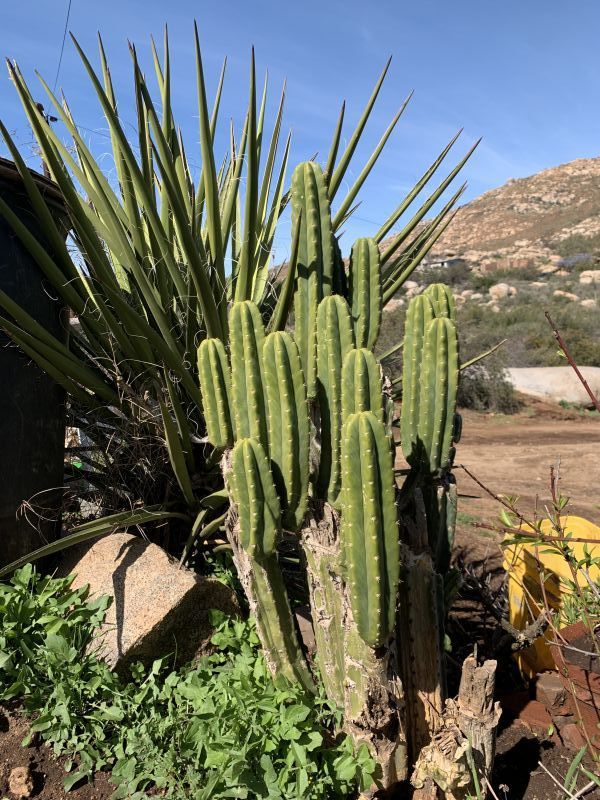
point(157, 608)
point(555, 383)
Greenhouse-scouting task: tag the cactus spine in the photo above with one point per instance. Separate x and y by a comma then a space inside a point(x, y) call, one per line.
point(315, 264)
point(369, 530)
point(361, 384)
point(215, 386)
point(288, 425)
point(365, 291)
point(247, 336)
point(335, 341)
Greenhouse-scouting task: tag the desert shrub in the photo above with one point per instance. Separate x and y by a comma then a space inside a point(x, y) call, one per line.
point(578, 243)
point(484, 387)
point(453, 275)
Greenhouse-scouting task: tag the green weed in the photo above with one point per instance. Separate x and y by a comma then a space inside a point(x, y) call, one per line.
point(219, 729)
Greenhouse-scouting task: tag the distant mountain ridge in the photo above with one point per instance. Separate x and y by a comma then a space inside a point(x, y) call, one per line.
point(528, 221)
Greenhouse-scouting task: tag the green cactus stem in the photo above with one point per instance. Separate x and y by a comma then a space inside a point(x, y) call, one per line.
point(246, 340)
point(369, 530)
point(361, 384)
point(215, 387)
point(442, 299)
point(437, 397)
point(315, 263)
point(254, 494)
point(335, 338)
point(420, 313)
point(254, 539)
point(288, 425)
point(365, 291)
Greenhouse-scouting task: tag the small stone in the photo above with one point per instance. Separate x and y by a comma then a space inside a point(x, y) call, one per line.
point(566, 295)
point(572, 736)
point(476, 296)
point(589, 303)
point(550, 691)
point(20, 782)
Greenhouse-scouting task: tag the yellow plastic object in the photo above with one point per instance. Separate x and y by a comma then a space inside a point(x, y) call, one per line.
point(533, 572)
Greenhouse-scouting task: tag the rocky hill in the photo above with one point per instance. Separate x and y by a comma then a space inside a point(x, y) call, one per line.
point(529, 222)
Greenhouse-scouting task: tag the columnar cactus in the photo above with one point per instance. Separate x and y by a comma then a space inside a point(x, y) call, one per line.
point(369, 526)
point(254, 494)
point(288, 425)
point(247, 336)
point(335, 341)
point(429, 385)
point(361, 384)
point(309, 424)
point(437, 397)
point(443, 300)
point(315, 262)
point(215, 385)
point(365, 291)
point(420, 313)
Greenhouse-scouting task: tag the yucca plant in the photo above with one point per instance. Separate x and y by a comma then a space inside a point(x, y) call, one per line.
point(154, 259)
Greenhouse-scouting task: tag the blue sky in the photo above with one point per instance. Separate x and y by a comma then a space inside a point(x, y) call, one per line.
point(524, 75)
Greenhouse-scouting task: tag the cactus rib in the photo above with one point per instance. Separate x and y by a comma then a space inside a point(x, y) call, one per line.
point(365, 291)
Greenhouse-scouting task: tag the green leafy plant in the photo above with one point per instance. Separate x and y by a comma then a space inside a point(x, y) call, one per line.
point(218, 727)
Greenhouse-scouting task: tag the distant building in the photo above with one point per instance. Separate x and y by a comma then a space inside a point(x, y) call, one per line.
point(441, 262)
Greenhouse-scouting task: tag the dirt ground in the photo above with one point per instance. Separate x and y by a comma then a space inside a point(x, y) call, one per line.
point(512, 455)
point(45, 771)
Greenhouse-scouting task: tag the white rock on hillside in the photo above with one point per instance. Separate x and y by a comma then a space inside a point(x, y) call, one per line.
point(501, 290)
point(589, 276)
point(566, 295)
point(589, 303)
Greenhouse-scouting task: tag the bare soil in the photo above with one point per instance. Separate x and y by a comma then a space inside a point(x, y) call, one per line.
point(46, 770)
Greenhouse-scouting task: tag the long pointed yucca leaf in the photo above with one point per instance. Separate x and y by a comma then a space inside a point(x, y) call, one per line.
point(246, 269)
point(286, 295)
point(391, 272)
point(265, 243)
point(229, 202)
point(270, 162)
point(70, 386)
point(123, 173)
point(416, 189)
point(335, 144)
point(344, 162)
point(182, 423)
point(93, 530)
point(342, 212)
point(65, 362)
point(260, 125)
point(177, 457)
point(209, 175)
point(419, 256)
point(431, 200)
